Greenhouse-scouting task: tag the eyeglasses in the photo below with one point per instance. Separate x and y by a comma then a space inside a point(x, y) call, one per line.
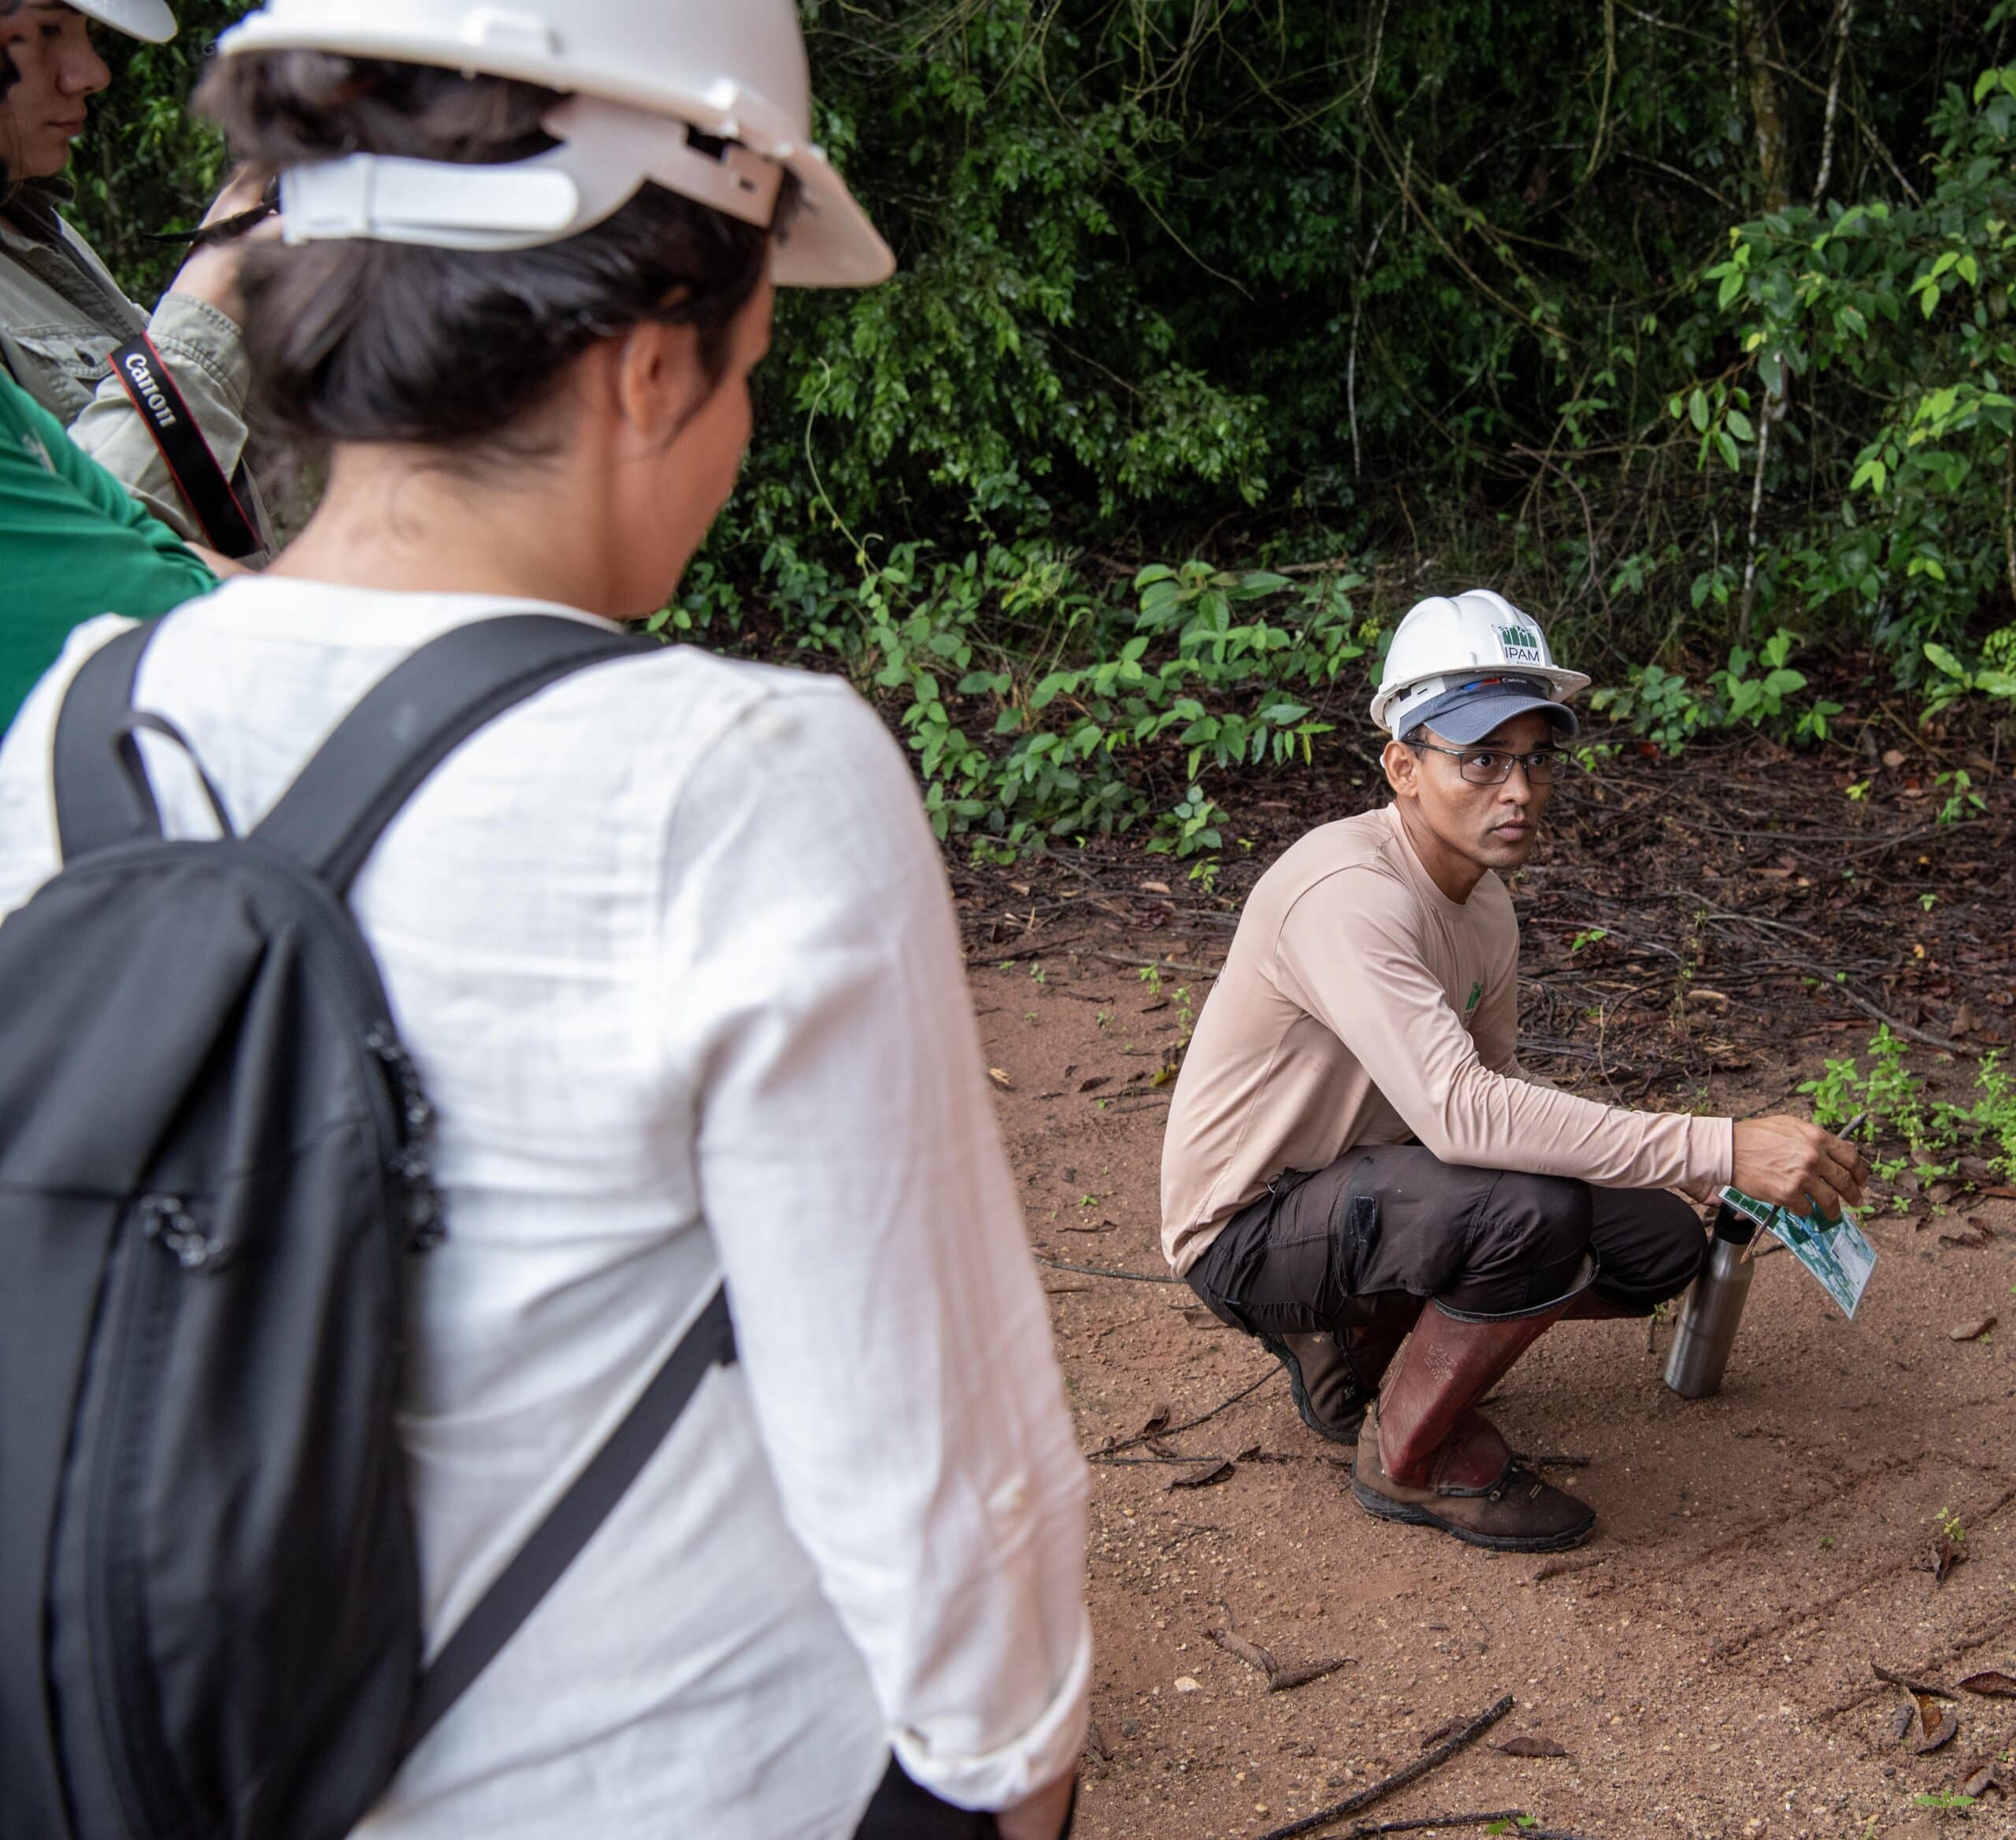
point(1491, 766)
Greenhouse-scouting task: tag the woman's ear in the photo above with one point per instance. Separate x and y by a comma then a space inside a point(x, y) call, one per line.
point(659, 382)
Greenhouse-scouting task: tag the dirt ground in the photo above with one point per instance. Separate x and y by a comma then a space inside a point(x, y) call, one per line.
point(1705, 1662)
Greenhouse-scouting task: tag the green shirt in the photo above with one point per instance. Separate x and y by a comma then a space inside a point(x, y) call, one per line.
point(73, 546)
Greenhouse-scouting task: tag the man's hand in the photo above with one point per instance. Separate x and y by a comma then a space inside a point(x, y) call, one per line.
point(1799, 1166)
point(1042, 1816)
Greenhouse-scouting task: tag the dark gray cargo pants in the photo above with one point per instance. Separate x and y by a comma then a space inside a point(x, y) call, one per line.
point(1309, 1256)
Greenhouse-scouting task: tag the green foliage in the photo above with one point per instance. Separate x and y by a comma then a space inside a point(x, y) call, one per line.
point(148, 165)
point(1933, 1133)
point(1756, 688)
point(1899, 314)
point(1039, 707)
point(1450, 291)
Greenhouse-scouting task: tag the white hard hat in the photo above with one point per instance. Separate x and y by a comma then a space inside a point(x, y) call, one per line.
point(639, 75)
point(1474, 649)
point(148, 20)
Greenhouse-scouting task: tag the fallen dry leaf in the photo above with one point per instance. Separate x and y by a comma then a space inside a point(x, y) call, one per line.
point(1941, 1557)
point(1941, 1732)
point(1530, 1743)
point(999, 1077)
point(1989, 1773)
point(1971, 1239)
point(1154, 888)
point(1158, 1420)
point(1970, 1331)
point(1217, 1472)
point(1991, 1683)
point(1094, 1084)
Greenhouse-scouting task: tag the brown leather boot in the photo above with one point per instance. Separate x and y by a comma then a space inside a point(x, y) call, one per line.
point(1427, 1456)
point(1335, 1374)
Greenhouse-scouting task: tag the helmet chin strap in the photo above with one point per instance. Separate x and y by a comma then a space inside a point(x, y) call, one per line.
point(607, 153)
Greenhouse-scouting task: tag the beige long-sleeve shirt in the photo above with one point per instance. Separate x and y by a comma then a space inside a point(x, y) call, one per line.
point(1360, 1005)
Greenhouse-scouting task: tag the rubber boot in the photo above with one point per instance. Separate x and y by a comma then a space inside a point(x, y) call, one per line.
point(1335, 1374)
point(1427, 1457)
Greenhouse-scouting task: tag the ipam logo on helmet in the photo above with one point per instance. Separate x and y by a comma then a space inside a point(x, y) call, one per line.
point(1522, 645)
point(158, 407)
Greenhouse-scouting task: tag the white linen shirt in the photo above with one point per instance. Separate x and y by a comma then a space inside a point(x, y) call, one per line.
point(671, 946)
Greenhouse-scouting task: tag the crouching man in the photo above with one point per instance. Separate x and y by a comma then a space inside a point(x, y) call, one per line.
point(1355, 1157)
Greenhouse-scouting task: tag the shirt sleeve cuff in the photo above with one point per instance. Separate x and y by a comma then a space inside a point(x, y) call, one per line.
point(1711, 1156)
point(193, 332)
point(1002, 1778)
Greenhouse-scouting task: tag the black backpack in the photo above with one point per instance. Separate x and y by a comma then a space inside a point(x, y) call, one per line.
point(213, 1172)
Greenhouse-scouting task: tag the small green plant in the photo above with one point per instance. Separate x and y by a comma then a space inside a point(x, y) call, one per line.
point(1037, 974)
point(1961, 797)
point(1513, 1824)
point(1943, 1798)
point(1151, 975)
point(1950, 1526)
point(1104, 1018)
point(1192, 828)
point(1859, 791)
point(1927, 903)
point(1827, 1542)
point(1588, 937)
point(1186, 1015)
point(1890, 1095)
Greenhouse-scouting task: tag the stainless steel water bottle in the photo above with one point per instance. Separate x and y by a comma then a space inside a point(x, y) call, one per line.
point(1713, 1310)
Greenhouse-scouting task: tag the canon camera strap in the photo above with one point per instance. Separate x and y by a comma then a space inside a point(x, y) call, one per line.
point(201, 480)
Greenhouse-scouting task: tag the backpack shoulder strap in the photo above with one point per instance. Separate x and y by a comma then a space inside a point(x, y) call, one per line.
point(558, 1541)
point(102, 797)
point(331, 818)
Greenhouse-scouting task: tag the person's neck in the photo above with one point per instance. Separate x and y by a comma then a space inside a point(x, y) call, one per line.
point(390, 523)
point(1454, 873)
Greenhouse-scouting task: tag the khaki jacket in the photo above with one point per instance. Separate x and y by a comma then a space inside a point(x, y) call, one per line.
point(62, 316)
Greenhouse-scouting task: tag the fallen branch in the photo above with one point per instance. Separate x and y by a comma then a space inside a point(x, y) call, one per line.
point(1400, 1778)
point(1365, 1830)
point(1830, 984)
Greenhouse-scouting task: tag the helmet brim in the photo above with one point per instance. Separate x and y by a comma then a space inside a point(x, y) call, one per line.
point(829, 242)
point(150, 21)
point(1466, 720)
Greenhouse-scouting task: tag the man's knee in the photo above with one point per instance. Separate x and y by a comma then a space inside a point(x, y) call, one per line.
point(1527, 1243)
point(1650, 1245)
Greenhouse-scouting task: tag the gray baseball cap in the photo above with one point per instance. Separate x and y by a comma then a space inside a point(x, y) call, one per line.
point(1467, 714)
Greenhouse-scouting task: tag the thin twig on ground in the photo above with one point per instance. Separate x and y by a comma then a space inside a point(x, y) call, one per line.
point(1108, 1450)
point(1400, 1778)
point(1365, 1830)
point(1105, 1272)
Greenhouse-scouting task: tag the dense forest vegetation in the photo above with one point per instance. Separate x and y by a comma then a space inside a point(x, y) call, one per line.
point(1226, 327)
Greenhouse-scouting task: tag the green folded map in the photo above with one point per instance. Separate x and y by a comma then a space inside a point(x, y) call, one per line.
point(1833, 1251)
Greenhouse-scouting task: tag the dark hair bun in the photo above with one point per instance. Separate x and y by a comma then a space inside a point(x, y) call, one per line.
point(383, 342)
